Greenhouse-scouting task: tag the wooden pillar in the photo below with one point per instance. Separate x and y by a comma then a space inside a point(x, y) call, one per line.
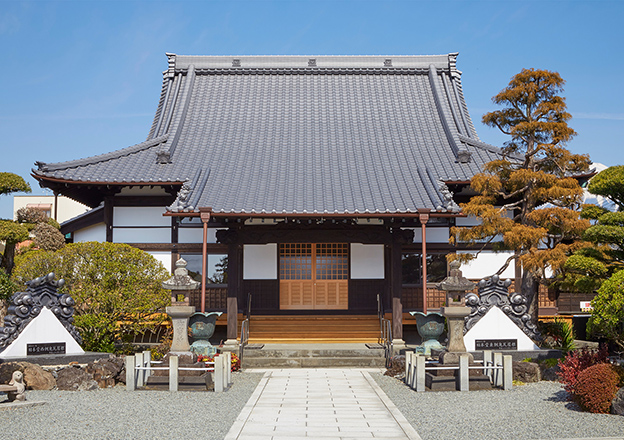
point(396, 282)
point(204, 214)
point(423, 215)
point(108, 218)
point(234, 275)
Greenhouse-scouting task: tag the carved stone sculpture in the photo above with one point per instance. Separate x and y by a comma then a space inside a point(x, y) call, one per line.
point(17, 381)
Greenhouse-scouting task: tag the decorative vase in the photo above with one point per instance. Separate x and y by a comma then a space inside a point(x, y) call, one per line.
point(430, 327)
point(202, 326)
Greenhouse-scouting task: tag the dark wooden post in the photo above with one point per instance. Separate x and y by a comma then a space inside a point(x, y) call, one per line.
point(108, 218)
point(234, 275)
point(396, 281)
point(204, 214)
point(423, 215)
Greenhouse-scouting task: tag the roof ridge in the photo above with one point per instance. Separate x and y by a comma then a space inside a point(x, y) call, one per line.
point(42, 166)
point(237, 62)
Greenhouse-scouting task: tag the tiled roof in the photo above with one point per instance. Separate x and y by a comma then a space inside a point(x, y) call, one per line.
point(301, 134)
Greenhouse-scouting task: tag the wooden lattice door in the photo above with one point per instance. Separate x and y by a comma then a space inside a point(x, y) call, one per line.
point(314, 276)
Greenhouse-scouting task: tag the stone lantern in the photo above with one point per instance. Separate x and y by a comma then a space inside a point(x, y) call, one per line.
point(455, 312)
point(180, 284)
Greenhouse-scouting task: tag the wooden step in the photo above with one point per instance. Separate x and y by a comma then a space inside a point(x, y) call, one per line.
point(317, 328)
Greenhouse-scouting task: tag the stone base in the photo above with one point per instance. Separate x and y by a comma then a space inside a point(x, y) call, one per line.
point(204, 382)
point(452, 358)
point(19, 404)
point(440, 382)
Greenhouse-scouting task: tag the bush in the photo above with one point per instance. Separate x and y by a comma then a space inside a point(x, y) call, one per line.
point(7, 287)
point(48, 238)
point(607, 317)
point(578, 360)
point(596, 387)
point(31, 215)
point(116, 287)
point(557, 334)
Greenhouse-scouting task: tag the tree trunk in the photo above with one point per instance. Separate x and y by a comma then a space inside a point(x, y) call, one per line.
point(8, 259)
point(530, 290)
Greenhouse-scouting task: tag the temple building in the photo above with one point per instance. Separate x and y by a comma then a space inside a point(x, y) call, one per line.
point(315, 184)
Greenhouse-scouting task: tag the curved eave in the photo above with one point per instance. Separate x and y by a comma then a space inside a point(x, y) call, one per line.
point(105, 183)
point(370, 215)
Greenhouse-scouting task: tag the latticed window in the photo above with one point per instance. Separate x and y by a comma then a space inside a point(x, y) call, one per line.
point(314, 275)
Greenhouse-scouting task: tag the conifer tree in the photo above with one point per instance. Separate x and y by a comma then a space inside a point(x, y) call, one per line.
point(11, 232)
point(528, 201)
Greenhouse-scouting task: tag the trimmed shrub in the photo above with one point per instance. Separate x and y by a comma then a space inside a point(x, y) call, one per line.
point(607, 318)
point(117, 288)
point(578, 360)
point(595, 388)
point(31, 215)
point(48, 238)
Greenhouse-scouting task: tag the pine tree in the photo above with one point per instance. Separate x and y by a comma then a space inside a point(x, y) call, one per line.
point(528, 201)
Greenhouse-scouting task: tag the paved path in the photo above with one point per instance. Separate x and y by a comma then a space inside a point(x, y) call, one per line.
point(320, 403)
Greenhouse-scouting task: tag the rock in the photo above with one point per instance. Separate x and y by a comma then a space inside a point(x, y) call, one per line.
point(398, 367)
point(189, 361)
point(617, 406)
point(526, 372)
point(74, 378)
point(106, 372)
point(35, 377)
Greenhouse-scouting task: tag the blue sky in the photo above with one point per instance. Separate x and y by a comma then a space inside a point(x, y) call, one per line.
point(81, 78)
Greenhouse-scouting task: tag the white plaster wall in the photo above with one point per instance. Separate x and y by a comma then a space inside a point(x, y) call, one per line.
point(140, 216)
point(496, 325)
point(486, 264)
point(260, 261)
point(471, 220)
point(434, 235)
point(95, 232)
point(164, 257)
point(142, 235)
point(367, 261)
point(196, 235)
point(45, 328)
point(67, 208)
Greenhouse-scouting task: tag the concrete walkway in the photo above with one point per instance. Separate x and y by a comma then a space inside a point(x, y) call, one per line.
point(320, 403)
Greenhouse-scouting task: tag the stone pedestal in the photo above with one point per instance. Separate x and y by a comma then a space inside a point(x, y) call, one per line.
point(455, 322)
point(179, 320)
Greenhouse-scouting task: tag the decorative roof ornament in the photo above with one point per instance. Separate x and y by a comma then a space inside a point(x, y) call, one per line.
point(494, 292)
point(464, 156)
point(451, 206)
point(170, 72)
point(312, 62)
point(453, 65)
point(26, 306)
point(41, 166)
point(388, 62)
point(236, 62)
point(181, 203)
point(163, 157)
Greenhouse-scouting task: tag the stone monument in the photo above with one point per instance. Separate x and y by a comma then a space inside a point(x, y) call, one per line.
point(39, 322)
point(455, 286)
point(180, 284)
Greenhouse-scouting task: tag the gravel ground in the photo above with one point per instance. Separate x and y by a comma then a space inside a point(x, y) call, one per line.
point(114, 413)
point(532, 411)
